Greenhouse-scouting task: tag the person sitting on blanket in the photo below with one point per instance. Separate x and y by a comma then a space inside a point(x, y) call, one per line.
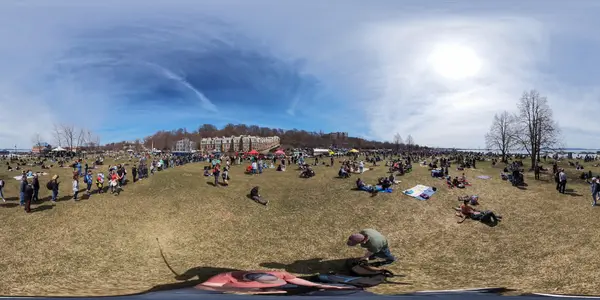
point(384, 183)
point(465, 211)
point(463, 179)
point(260, 282)
point(457, 183)
point(365, 187)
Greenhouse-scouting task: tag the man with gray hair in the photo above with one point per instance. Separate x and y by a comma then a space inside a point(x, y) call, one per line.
point(376, 245)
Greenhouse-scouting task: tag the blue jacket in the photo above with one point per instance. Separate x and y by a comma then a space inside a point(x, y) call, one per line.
point(23, 186)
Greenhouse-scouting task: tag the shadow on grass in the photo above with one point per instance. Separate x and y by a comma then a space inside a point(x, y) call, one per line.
point(211, 183)
point(191, 277)
point(8, 204)
point(309, 266)
point(572, 193)
point(41, 208)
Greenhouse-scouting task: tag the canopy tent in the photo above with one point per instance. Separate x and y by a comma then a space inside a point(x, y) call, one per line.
point(331, 152)
point(353, 151)
point(253, 152)
point(279, 152)
point(59, 149)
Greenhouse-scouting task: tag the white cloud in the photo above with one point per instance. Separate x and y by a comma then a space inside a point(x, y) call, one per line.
point(413, 99)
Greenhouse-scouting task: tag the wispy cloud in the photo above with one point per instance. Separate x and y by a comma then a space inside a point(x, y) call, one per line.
point(364, 69)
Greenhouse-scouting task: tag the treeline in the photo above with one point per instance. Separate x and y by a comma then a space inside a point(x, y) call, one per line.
point(293, 138)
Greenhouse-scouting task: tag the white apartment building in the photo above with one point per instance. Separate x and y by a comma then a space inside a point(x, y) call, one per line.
point(185, 145)
point(241, 143)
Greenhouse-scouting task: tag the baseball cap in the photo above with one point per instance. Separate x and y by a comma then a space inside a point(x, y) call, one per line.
point(355, 239)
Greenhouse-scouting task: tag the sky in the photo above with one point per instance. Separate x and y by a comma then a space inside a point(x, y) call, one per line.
point(437, 70)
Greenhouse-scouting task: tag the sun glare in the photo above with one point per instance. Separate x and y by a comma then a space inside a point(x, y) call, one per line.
point(455, 62)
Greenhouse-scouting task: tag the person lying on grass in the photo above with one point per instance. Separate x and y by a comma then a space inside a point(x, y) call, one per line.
point(261, 282)
point(466, 211)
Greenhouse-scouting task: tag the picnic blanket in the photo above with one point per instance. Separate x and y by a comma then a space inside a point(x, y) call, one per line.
point(483, 177)
point(382, 190)
point(420, 192)
point(358, 171)
point(29, 177)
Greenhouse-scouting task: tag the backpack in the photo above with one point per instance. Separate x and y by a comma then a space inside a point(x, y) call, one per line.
point(49, 185)
point(85, 179)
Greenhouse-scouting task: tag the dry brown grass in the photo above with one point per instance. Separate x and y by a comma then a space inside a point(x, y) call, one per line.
point(107, 245)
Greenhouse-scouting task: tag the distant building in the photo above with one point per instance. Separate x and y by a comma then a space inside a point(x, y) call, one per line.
point(41, 148)
point(338, 135)
point(243, 143)
point(185, 145)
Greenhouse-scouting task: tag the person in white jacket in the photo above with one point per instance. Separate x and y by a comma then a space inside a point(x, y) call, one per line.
point(75, 187)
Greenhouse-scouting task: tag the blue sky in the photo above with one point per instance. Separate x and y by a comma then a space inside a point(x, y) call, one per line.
point(437, 70)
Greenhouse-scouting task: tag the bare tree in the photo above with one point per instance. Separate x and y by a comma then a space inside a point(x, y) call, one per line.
point(502, 134)
point(81, 138)
point(58, 136)
point(69, 136)
point(410, 141)
point(397, 141)
point(536, 128)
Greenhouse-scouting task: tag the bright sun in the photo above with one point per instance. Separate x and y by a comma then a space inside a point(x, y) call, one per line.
point(455, 62)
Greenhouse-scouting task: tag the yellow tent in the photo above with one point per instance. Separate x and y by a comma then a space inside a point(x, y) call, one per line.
point(353, 151)
point(331, 152)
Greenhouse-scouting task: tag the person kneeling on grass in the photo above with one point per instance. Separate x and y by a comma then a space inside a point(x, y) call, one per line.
point(376, 245)
point(466, 211)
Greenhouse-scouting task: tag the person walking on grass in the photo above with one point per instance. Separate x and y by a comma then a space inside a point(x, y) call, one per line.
point(75, 186)
point(88, 180)
point(376, 245)
point(1, 188)
point(22, 187)
point(134, 173)
point(562, 181)
point(36, 188)
point(54, 185)
point(595, 188)
point(28, 197)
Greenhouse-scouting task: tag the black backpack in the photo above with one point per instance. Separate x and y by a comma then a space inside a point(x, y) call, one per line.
point(49, 185)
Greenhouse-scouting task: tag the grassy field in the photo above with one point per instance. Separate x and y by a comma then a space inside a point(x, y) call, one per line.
point(107, 244)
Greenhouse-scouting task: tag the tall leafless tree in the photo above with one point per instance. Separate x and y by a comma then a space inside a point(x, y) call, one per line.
point(536, 128)
point(69, 135)
point(57, 134)
point(410, 141)
point(502, 135)
point(397, 141)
